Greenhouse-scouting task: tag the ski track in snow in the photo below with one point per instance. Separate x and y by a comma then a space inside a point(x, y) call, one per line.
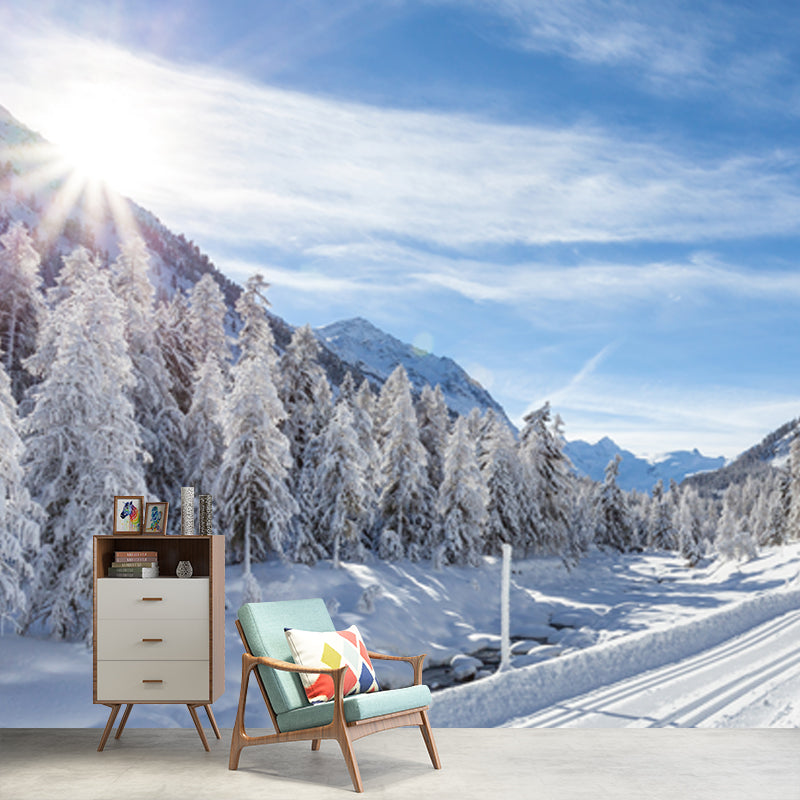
point(700, 691)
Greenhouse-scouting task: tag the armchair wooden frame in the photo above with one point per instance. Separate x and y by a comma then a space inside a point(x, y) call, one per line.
point(345, 733)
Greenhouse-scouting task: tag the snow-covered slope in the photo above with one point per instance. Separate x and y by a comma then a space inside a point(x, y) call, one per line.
point(376, 353)
point(771, 451)
point(610, 617)
point(635, 472)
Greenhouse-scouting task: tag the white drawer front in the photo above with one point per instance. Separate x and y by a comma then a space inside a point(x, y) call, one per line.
point(152, 598)
point(157, 639)
point(152, 681)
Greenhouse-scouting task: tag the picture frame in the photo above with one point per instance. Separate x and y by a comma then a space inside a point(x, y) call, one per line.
point(128, 514)
point(155, 519)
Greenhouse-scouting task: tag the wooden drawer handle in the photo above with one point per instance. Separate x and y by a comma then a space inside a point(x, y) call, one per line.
point(152, 598)
point(151, 680)
point(152, 640)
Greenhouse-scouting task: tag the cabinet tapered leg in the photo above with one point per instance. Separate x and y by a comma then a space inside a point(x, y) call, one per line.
point(125, 716)
point(198, 725)
point(212, 721)
point(109, 725)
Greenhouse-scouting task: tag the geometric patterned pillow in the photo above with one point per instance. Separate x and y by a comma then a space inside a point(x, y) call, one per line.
point(331, 650)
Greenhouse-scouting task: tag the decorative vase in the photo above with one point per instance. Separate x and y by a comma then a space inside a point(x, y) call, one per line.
point(205, 515)
point(187, 510)
point(184, 569)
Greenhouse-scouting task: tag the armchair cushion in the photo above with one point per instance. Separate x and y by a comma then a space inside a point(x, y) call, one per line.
point(263, 625)
point(357, 707)
point(332, 650)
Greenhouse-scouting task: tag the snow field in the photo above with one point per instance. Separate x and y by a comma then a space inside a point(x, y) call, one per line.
point(636, 612)
point(503, 699)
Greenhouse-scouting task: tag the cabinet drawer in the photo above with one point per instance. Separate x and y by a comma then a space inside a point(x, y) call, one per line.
point(152, 598)
point(133, 639)
point(166, 681)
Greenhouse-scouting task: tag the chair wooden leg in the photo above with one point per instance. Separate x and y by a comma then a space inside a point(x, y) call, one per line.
point(238, 734)
point(121, 726)
point(427, 735)
point(315, 744)
point(198, 725)
point(213, 722)
point(109, 725)
point(350, 760)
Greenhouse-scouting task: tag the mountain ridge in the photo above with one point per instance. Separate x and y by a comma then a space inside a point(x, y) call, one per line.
point(376, 353)
point(636, 472)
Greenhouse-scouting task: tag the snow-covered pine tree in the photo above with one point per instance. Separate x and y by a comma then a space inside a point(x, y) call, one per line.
point(173, 339)
point(688, 527)
point(161, 421)
point(306, 396)
point(793, 521)
point(210, 354)
point(251, 488)
point(341, 497)
point(611, 511)
point(305, 393)
point(77, 268)
point(20, 516)
point(583, 520)
point(347, 389)
point(462, 500)
point(206, 324)
point(433, 419)
point(362, 408)
point(734, 540)
point(83, 445)
point(773, 524)
point(395, 384)
point(548, 485)
point(661, 532)
point(21, 304)
point(205, 440)
point(502, 473)
point(475, 424)
point(406, 501)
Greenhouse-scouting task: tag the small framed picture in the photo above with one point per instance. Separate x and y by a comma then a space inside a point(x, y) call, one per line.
point(155, 518)
point(128, 513)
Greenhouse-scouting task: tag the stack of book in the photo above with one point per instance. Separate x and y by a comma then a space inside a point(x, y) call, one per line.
point(134, 564)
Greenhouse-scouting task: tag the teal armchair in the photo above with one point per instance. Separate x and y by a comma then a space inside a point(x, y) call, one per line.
point(346, 719)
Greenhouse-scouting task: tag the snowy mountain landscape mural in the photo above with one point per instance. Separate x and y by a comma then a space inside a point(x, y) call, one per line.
point(391, 338)
point(414, 478)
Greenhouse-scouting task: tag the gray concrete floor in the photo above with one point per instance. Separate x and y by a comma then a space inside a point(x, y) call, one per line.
point(660, 764)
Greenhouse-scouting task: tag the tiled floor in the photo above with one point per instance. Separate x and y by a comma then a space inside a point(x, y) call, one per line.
point(591, 764)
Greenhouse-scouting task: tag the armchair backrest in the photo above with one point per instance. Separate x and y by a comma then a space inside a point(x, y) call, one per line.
point(263, 625)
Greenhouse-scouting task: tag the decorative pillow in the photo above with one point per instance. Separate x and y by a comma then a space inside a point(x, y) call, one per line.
point(331, 650)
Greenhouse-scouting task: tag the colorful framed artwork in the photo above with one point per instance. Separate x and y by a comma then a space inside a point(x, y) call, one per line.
point(155, 518)
point(128, 513)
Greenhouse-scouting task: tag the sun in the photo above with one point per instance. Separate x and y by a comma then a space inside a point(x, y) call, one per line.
point(105, 137)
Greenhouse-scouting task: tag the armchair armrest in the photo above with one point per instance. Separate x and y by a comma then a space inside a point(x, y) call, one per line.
point(250, 662)
point(415, 661)
point(287, 666)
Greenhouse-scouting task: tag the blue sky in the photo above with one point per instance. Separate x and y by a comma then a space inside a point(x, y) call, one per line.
point(591, 202)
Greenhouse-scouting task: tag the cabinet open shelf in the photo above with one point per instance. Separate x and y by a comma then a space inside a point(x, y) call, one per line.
point(170, 549)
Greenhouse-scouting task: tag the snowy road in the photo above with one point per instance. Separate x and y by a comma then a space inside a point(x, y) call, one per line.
point(735, 683)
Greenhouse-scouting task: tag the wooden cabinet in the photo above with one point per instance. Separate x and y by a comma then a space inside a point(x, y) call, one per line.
point(160, 640)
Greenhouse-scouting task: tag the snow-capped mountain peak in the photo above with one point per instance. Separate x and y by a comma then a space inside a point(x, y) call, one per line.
point(376, 354)
point(636, 472)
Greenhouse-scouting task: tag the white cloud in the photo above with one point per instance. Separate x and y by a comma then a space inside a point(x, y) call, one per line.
point(261, 165)
point(669, 47)
point(608, 284)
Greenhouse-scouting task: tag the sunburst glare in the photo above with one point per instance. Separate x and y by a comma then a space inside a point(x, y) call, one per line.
point(100, 132)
